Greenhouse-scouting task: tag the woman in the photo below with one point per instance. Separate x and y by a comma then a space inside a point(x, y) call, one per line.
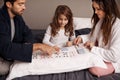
point(104, 38)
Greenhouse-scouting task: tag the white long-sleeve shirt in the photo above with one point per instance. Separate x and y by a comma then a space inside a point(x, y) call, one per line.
point(59, 40)
point(111, 51)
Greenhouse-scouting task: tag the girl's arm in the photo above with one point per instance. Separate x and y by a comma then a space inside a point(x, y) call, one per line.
point(47, 37)
point(70, 43)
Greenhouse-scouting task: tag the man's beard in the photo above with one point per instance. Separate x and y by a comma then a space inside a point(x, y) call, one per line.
point(15, 13)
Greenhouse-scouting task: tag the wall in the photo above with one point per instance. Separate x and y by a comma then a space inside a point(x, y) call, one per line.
point(39, 13)
point(1, 3)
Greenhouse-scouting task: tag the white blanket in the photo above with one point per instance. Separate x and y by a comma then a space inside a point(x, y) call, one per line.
point(67, 60)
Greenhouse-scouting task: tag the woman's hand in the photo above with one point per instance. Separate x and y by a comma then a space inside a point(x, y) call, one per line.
point(89, 45)
point(77, 40)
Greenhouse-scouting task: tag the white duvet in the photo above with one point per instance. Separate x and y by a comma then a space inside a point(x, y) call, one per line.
point(66, 61)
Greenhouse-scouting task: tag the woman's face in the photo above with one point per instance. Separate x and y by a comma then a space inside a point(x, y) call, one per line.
point(62, 20)
point(100, 13)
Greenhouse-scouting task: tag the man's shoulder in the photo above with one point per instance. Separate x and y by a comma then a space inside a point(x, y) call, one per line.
point(1, 13)
point(2, 17)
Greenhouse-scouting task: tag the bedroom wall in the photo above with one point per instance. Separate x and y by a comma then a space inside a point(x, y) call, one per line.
point(39, 13)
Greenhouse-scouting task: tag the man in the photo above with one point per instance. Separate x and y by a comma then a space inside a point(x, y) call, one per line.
point(16, 41)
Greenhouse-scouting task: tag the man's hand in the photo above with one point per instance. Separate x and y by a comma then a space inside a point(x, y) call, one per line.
point(56, 48)
point(44, 48)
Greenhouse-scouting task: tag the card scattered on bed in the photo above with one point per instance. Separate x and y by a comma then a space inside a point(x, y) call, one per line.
point(63, 53)
point(68, 59)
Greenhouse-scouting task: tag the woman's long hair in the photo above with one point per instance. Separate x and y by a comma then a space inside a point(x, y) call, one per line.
point(64, 10)
point(111, 13)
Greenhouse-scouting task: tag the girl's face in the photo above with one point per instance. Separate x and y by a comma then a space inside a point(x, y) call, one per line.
point(100, 13)
point(62, 20)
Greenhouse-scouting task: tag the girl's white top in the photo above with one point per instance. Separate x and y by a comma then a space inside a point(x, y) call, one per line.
point(59, 40)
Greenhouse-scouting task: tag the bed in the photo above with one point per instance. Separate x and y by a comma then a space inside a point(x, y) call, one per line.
point(75, 75)
point(83, 27)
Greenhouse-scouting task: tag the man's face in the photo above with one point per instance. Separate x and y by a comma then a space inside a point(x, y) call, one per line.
point(18, 7)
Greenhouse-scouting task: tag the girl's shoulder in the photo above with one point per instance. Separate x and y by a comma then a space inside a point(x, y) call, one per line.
point(49, 27)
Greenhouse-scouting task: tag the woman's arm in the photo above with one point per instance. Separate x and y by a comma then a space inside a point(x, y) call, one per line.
point(110, 52)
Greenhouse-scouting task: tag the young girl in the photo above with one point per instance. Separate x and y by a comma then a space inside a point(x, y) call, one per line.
point(105, 36)
point(60, 32)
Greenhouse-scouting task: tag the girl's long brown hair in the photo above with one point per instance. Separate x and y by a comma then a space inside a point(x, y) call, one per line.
point(111, 13)
point(64, 10)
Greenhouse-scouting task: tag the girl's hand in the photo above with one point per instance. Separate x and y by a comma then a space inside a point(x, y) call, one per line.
point(77, 40)
point(89, 45)
point(69, 43)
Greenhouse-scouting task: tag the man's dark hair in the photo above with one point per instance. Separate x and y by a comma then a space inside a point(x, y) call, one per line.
point(11, 1)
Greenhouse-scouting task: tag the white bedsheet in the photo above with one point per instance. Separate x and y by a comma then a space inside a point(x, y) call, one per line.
point(68, 60)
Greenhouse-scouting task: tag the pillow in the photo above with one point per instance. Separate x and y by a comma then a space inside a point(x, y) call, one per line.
point(38, 35)
point(82, 31)
point(81, 23)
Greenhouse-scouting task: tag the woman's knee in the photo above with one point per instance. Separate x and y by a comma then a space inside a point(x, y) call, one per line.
point(97, 71)
point(94, 71)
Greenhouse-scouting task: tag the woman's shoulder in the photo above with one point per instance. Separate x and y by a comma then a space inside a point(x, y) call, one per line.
point(116, 24)
point(117, 21)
